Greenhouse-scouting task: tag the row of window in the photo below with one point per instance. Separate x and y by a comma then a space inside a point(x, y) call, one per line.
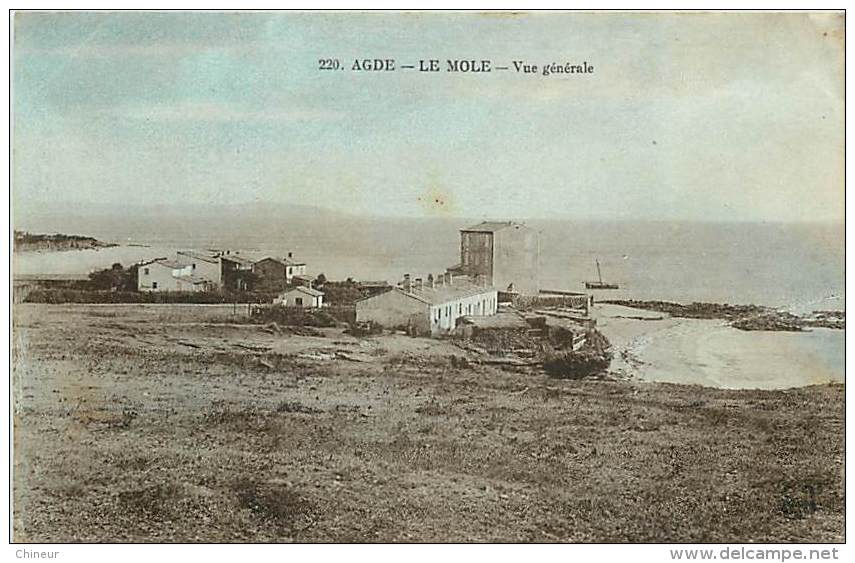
point(146, 271)
point(471, 309)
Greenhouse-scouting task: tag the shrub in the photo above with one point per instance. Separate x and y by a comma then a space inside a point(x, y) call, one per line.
point(60, 296)
point(592, 359)
point(293, 316)
point(364, 329)
point(274, 503)
point(576, 365)
point(342, 293)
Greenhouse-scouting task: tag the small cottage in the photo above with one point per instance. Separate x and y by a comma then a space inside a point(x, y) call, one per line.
point(301, 297)
point(205, 265)
point(279, 270)
point(169, 275)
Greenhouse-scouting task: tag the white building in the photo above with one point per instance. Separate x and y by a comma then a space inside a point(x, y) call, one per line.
point(301, 297)
point(169, 275)
point(428, 307)
point(204, 265)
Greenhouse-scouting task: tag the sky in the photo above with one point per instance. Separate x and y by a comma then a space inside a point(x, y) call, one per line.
point(722, 117)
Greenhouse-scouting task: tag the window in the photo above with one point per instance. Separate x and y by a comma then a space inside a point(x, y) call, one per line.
point(154, 285)
point(145, 271)
point(194, 265)
point(298, 301)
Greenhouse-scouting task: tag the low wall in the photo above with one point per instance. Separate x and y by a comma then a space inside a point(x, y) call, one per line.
point(581, 301)
point(59, 296)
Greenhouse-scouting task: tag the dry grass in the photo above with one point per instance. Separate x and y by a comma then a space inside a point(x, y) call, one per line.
point(402, 448)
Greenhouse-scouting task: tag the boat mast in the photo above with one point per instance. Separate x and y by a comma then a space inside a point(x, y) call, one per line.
point(599, 274)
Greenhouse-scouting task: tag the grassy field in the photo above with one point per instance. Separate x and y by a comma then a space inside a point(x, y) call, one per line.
point(163, 423)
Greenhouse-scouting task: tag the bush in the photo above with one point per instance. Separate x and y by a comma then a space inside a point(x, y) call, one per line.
point(592, 359)
point(293, 316)
point(576, 365)
point(60, 296)
point(364, 329)
point(342, 293)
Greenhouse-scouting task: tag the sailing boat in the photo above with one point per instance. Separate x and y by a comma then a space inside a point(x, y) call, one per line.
point(600, 284)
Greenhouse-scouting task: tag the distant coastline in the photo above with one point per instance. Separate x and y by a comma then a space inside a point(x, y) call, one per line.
point(742, 317)
point(797, 268)
point(33, 242)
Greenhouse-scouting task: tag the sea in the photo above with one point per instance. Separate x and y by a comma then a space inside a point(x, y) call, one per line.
point(794, 266)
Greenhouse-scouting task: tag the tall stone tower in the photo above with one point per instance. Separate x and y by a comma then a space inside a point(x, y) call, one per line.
point(503, 254)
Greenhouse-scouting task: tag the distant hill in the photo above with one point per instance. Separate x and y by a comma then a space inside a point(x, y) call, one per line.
point(169, 222)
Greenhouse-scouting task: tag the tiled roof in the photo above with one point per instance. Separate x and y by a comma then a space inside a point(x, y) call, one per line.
point(440, 294)
point(307, 290)
point(174, 264)
point(238, 259)
point(447, 293)
point(283, 261)
point(491, 226)
point(203, 256)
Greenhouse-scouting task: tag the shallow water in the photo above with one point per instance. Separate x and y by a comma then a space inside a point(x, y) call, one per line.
point(713, 354)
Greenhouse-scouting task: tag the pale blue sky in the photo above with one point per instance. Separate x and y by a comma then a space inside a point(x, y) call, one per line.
point(694, 116)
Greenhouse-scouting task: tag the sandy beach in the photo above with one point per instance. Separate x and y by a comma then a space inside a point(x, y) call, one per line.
point(652, 346)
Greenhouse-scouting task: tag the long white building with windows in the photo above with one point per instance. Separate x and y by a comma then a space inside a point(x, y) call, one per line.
point(432, 306)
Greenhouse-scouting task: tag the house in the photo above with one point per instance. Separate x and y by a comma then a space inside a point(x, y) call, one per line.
point(503, 254)
point(169, 275)
point(301, 296)
point(234, 270)
point(306, 281)
point(278, 271)
point(295, 268)
point(205, 265)
point(224, 268)
point(431, 307)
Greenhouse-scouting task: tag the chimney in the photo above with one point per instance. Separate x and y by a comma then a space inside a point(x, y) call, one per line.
point(449, 278)
point(407, 286)
point(430, 281)
point(419, 284)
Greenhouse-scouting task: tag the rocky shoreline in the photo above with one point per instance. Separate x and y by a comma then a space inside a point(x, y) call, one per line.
point(28, 242)
point(742, 317)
